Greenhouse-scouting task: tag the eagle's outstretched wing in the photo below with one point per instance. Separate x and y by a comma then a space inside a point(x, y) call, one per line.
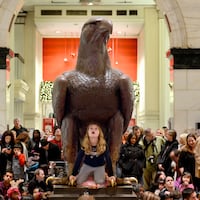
point(127, 99)
point(59, 102)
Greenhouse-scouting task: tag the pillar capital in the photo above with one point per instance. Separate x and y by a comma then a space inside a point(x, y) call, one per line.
point(3, 54)
point(186, 58)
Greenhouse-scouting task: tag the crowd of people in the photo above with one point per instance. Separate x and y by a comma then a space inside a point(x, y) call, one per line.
point(25, 162)
point(170, 164)
point(165, 165)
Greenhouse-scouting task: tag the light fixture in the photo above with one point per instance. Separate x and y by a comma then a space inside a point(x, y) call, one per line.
point(65, 58)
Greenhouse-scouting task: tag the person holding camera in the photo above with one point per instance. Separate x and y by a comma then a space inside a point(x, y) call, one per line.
point(152, 146)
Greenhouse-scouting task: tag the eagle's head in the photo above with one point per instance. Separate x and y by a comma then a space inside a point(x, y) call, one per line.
point(96, 30)
point(93, 53)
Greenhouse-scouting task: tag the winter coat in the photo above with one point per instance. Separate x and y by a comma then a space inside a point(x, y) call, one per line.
point(131, 160)
point(164, 157)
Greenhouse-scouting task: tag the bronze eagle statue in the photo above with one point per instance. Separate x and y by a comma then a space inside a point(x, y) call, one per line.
point(92, 92)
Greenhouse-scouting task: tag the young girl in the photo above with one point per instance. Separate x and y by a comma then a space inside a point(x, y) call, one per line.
point(94, 155)
point(186, 181)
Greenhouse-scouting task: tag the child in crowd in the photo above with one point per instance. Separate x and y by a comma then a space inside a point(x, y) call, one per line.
point(186, 182)
point(18, 162)
point(161, 186)
point(169, 191)
point(94, 155)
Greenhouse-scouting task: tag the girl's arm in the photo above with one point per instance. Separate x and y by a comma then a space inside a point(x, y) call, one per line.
point(78, 162)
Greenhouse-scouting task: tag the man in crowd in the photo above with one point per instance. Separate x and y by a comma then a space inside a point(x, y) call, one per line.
point(5, 184)
point(18, 128)
point(39, 182)
point(152, 146)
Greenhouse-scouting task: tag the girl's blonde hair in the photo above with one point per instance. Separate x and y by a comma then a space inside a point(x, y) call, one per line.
point(101, 145)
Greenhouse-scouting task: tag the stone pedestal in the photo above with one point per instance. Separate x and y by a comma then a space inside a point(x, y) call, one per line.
point(62, 192)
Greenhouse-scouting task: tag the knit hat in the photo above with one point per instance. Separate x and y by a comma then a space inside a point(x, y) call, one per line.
point(44, 142)
point(13, 190)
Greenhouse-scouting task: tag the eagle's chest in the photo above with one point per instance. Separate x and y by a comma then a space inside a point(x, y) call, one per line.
point(84, 85)
point(86, 94)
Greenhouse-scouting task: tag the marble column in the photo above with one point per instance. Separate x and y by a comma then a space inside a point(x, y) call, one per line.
point(186, 88)
point(4, 52)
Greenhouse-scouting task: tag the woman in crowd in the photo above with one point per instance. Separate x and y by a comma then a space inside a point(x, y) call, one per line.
point(34, 143)
point(159, 178)
point(186, 161)
point(7, 143)
point(197, 164)
point(132, 158)
point(57, 137)
point(170, 191)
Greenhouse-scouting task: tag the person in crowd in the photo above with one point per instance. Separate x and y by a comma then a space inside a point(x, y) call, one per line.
point(197, 164)
point(138, 131)
point(48, 134)
point(57, 137)
point(92, 158)
point(86, 196)
point(14, 193)
point(18, 128)
point(125, 136)
point(5, 184)
point(165, 131)
point(170, 191)
point(161, 186)
point(38, 181)
point(164, 160)
point(132, 158)
point(18, 162)
point(34, 142)
point(189, 194)
point(159, 178)
point(174, 155)
point(6, 146)
point(124, 140)
point(148, 195)
point(38, 194)
point(187, 157)
point(182, 140)
point(152, 146)
point(186, 181)
point(159, 132)
point(23, 140)
point(48, 152)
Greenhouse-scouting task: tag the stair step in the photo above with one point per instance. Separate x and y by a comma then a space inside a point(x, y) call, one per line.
point(97, 197)
point(64, 189)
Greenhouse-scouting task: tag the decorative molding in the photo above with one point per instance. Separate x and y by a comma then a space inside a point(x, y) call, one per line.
point(20, 88)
